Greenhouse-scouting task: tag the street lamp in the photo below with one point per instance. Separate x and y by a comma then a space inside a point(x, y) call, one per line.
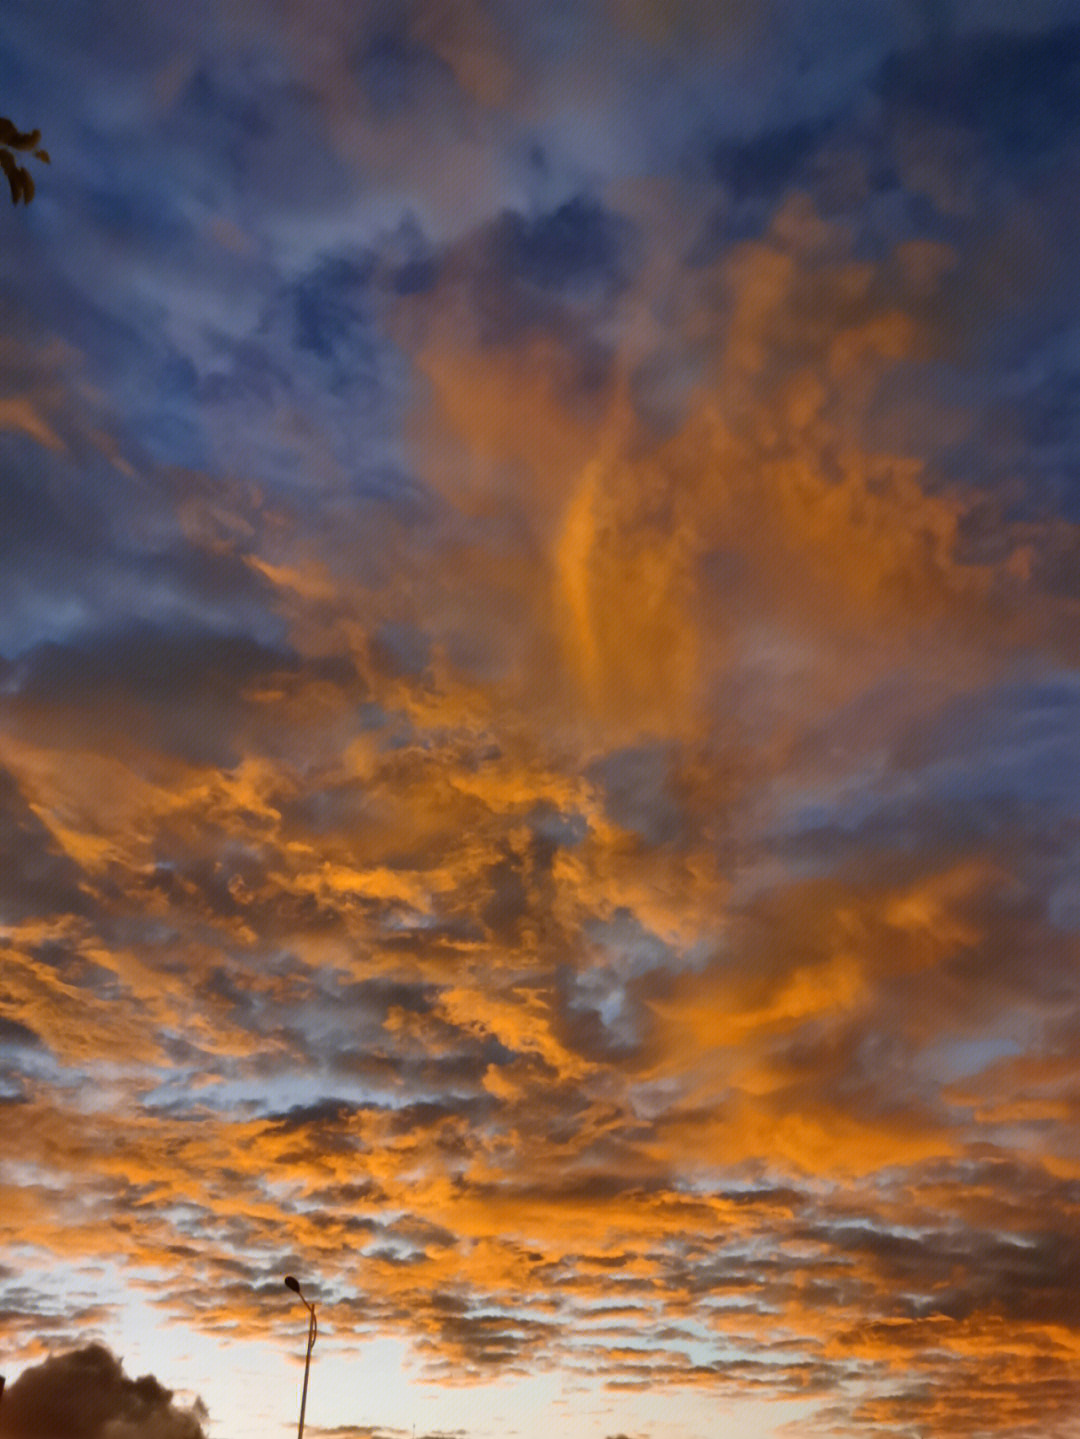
point(313, 1329)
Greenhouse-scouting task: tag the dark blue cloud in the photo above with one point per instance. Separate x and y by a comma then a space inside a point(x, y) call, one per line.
point(317, 343)
point(766, 164)
point(557, 272)
point(578, 247)
point(147, 216)
point(333, 321)
point(1022, 739)
point(34, 520)
point(1021, 93)
point(84, 544)
point(108, 33)
point(991, 772)
point(240, 134)
point(414, 277)
point(14, 1034)
point(1017, 94)
point(392, 489)
point(1028, 444)
point(397, 76)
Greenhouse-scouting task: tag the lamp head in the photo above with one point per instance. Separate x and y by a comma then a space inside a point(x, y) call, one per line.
point(293, 1284)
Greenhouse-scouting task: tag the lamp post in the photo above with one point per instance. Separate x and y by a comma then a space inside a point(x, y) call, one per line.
point(313, 1329)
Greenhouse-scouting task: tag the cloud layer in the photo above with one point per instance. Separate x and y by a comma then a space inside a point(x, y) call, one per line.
point(539, 696)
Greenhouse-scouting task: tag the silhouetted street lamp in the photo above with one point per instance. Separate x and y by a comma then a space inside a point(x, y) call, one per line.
point(313, 1329)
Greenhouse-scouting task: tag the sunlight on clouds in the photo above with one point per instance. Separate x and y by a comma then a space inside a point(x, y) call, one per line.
point(19, 413)
point(537, 721)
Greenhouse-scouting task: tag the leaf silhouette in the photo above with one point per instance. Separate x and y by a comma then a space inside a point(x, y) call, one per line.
point(17, 139)
point(14, 175)
point(20, 181)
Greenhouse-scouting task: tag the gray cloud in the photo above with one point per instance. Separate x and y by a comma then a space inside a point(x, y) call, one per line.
point(36, 877)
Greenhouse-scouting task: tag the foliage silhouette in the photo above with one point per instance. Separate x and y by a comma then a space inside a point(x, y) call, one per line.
point(19, 178)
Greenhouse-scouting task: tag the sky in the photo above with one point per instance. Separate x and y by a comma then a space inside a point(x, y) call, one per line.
point(540, 719)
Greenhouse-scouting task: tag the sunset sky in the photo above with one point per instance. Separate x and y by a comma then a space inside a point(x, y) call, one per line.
point(540, 716)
